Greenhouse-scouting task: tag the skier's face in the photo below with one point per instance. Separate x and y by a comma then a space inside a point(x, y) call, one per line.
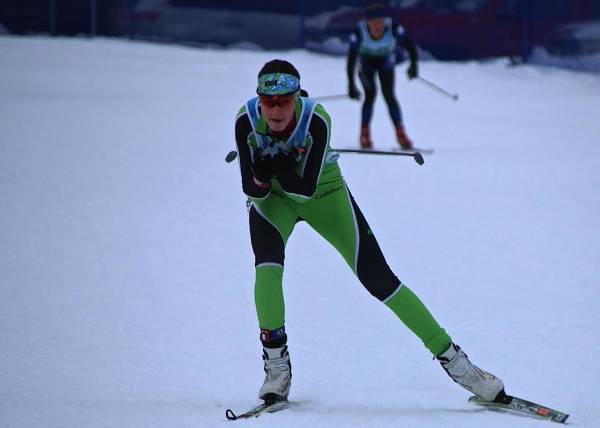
point(376, 27)
point(278, 111)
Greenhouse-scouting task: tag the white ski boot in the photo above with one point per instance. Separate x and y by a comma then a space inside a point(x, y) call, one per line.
point(469, 376)
point(278, 378)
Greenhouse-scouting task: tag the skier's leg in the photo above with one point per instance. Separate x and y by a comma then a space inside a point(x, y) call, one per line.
point(387, 77)
point(271, 223)
point(339, 220)
point(366, 75)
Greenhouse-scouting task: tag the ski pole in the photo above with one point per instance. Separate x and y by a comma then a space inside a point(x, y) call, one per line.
point(418, 157)
point(330, 97)
point(437, 88)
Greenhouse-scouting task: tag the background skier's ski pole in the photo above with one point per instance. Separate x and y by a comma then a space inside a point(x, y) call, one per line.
point(437, 88)
point(418, 157)
point(330, 97)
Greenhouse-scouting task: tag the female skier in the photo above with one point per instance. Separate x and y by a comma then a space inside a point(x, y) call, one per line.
point(379, 44)
point(289, 175)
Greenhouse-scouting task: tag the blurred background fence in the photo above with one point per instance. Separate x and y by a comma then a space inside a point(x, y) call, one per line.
point(447, 29)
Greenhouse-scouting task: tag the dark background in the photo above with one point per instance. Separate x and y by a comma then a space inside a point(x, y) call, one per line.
point(449, 29)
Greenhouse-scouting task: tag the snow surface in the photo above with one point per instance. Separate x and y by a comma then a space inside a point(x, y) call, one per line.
point(587, 63)
point(126, 272)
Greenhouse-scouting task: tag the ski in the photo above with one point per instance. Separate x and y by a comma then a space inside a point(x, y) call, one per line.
point(258, 410)
point(508, 403)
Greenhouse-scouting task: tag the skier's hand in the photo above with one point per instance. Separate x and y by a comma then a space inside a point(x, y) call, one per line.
point(262, 168)
point(353, 92)
point(413, 71)
point(283, 164)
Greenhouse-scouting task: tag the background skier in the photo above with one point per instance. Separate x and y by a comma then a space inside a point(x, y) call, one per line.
point(379, 43)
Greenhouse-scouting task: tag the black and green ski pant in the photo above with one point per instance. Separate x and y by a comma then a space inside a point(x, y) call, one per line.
point(334, 214)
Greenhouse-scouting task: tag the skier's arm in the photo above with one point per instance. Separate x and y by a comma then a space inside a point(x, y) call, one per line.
point(351, 64)
point(302, 188)
point(252, 187)
point(411, 48)
point(405, 42)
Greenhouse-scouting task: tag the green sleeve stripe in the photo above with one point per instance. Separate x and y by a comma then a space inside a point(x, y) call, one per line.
point(323, 113)
point(241, 112)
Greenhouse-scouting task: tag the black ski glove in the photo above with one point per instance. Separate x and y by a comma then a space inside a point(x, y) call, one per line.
point(412, 71)
point(353, 91)
point(283, 164)
point(262, 169)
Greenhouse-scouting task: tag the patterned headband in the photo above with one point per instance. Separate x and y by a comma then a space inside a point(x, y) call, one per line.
point(277, 84)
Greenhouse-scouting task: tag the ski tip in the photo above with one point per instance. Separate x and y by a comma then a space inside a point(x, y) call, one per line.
point(561, 418)
point(230, 415)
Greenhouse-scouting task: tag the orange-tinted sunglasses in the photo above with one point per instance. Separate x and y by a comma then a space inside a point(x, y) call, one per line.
point(273, 100)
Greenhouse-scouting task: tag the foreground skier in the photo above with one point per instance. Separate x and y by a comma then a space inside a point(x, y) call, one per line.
point(289, 175)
